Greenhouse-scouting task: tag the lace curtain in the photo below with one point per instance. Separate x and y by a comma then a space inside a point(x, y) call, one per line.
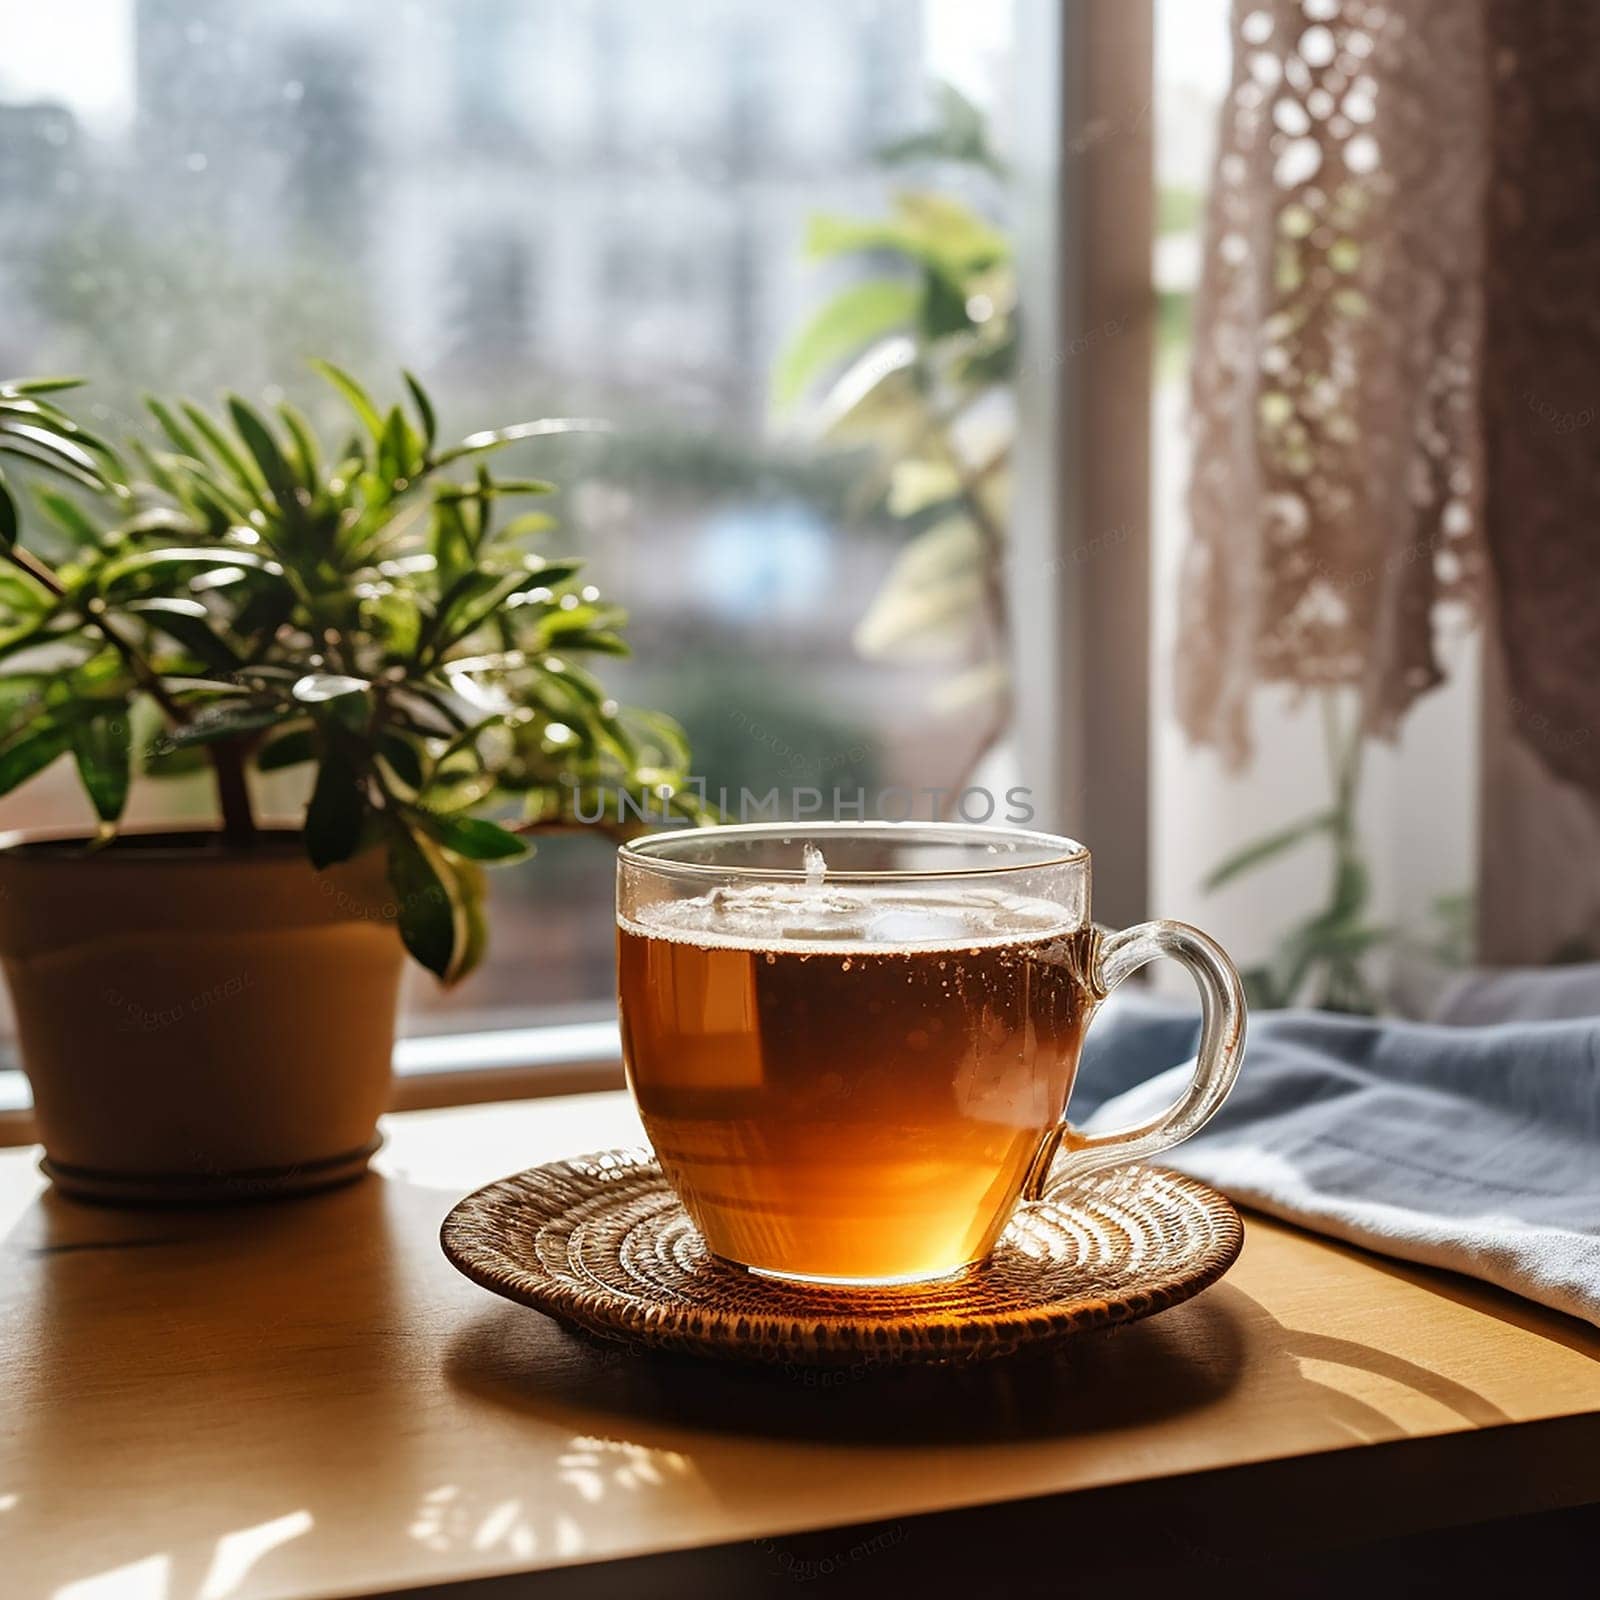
point(1398, 246)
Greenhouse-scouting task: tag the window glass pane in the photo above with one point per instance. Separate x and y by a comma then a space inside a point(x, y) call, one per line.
point(590, 207)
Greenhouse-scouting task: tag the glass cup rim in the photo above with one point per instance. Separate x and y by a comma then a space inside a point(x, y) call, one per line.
point(651, 852)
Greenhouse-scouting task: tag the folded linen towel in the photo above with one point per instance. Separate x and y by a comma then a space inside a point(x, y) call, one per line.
point(1473, 1148)
point(1520, 994)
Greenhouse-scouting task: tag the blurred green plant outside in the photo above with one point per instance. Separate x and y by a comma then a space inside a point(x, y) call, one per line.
point(1321, 959)
point(751, 727)
point(913, 359)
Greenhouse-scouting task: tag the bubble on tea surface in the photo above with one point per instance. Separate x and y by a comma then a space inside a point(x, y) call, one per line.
point(767, 913)
point(918, 924)
point(816, 867)
point(800, 914)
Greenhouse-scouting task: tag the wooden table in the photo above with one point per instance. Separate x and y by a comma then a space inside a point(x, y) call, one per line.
point(305, 1400)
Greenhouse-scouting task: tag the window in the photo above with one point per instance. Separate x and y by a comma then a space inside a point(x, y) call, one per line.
point(546, 207)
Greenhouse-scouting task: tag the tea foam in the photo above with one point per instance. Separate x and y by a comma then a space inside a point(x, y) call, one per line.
point(813, 917)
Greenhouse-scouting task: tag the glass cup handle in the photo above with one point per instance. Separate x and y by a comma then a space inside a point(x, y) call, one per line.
point(1068, 1154)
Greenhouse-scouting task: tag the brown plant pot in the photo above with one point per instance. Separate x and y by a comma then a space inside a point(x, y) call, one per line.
point(199, 1023)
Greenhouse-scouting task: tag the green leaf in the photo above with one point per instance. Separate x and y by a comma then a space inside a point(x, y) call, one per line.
point(450, 543)
point(433, 922)
point(961, 136)
point(952, 234)
point(496, 437)
point(189, 624)
point(61, 467)
point(149, 561)
point(917, 483)
point(9, 526)
point(222, 448)
point(290, 748)
point(337, 811)
point(1265, 848)
point(355, 396)
point(402, 756)
point(396, 622)
point(21, 757)
point(932, 229)
point(67, 515)
point(307, 458)
point(23, 596)
point(470, 902)
point(346, 699)
point(395, 453)
point(178, 436)
point(22, 695)
point(932, 597)
point(944, 306)
point(593, 640)
point(158, 519)
point(527, 525)
point(32, 636)
point(257, 437)
point(665, 734)
point(161, 474)
point(854, 318)
point(1352, 886)
point(1261, 990)
point(1346, 941)
point(1333, 934)
point(53, 443)
point(223, 722)
point(487, 487)
point(482, 509)
point(443, 708)
point(345, 696)
point(478, 839)
point(419, 398)
point(477, 598)
point(103, 747)
point(41, 385)
point(316, 687)
point(989, 363)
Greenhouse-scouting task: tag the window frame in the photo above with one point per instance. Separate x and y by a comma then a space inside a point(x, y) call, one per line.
point(1081, 520)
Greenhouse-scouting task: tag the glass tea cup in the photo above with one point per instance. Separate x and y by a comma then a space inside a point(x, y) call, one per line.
point(852, 1045)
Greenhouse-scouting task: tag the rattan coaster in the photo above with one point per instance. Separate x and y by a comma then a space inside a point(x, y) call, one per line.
point(601, 1244)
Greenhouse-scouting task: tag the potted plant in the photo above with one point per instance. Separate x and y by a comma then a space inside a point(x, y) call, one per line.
point(210, 1012)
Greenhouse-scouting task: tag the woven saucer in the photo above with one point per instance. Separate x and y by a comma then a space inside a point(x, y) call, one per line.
point(601, 1243)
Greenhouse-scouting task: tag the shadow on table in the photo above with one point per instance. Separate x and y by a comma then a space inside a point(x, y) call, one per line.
point(1490, 1301)
point(1184, 1361)
point(1188, 1358)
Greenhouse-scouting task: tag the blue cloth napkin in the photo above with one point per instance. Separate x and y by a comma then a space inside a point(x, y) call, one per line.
point(1473, 1148)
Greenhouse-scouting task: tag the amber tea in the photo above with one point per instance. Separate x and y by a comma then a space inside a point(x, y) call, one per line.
point(851, 1084)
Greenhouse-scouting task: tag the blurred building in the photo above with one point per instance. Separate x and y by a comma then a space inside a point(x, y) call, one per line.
point(604, 190)
point(41, 167)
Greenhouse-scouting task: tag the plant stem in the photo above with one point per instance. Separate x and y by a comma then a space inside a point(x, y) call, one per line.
point(36, 569)
point(1343, 985)
point(233, 793)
